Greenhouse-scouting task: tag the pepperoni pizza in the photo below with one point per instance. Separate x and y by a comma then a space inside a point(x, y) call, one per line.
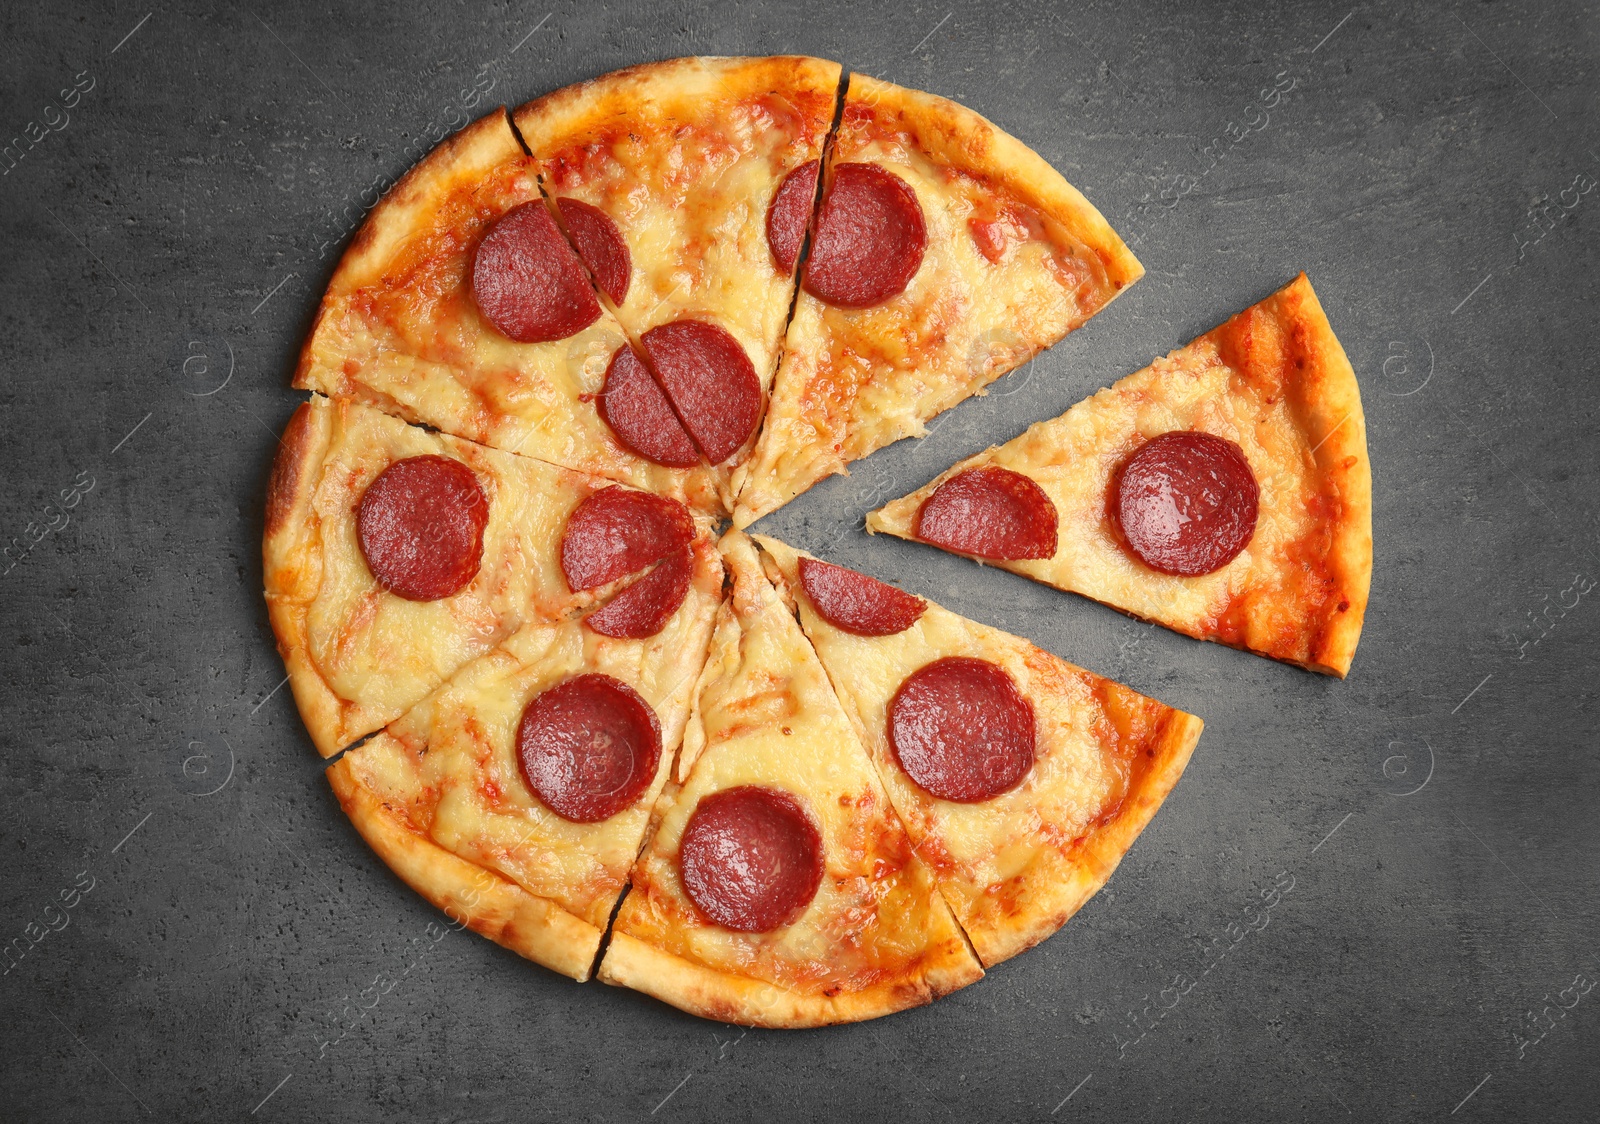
point(1223, 491)
point(780, 887)
point(574, 337)
point(1021, 779)
point(946, 252)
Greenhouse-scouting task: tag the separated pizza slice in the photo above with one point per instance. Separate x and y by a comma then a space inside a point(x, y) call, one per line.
point(946, 253)
point(461, 305)
point(394, 555)
point(1021, 779)
point(779, 888)
point(686, 186)
point(1223, 492)
point(517, 795)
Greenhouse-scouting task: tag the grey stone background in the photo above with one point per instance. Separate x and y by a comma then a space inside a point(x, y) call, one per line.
point(165, 245)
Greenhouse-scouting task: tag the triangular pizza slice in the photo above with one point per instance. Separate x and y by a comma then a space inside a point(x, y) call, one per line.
point(517, 795)
point(686, 186)
point(460, 304)
point(1223, 492)
point(393, 555)
point(779, 888)
point(1021, 779)
point(946, 252)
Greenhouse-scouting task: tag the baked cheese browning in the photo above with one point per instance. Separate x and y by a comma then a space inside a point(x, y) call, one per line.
point(1016, 258)
point(876, 937)
point(359, 656)
point(1273, 380)
point(448, 771)
point(1016, 866)
point(400, 328)
point(685, 156)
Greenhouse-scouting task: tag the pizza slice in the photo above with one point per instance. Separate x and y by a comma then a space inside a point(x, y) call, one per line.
point(779, 888)
point(1223, 492)
point(686, 186)
point(1021, 779)
point(946, 252)
point(517, 795)
point(393, 555)
point(461, 305)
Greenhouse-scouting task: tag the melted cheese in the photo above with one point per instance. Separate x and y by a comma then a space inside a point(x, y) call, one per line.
point(399, 326)
point(998, 861)
point(450, 764)
point(1005, 274)
point(1236, 382)
point(385, 653)
point(766, 715)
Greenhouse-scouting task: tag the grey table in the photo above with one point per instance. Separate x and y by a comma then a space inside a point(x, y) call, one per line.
point(203, 910)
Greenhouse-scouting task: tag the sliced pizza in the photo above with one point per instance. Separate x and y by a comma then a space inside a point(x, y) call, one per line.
point(460, 304)
point(779, 888)
point(517, 795)
point(686, 186)
point(946, 253)
point(1223, 492)
point(393, 555)
point(1021, 779)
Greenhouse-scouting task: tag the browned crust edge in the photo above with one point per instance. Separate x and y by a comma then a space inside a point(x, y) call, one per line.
point(487, 903)
point(1097, 858)
point(487, 141)
point(744, 1001)
point(1330, 399)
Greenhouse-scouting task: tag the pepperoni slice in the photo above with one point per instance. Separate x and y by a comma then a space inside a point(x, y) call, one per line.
point(638, 413)
point(528, 282)
point(961, 730)
point(600, 245)
point(858, 603)
point(617, 531)
point(645, 607)
point(751, 858)
point(992, 513)
point(790, 212)
point(420, 526)
point(870, 238)
point(710, 382)
point(1187, 502)
point(589, 747)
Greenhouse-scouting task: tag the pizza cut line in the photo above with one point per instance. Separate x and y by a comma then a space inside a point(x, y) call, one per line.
point(571, 341)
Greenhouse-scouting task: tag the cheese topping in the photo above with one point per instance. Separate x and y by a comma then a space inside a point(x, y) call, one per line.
point(1005, 274)
point(766, 715)
point(450, 765)
point(1010, 853)
point(399, 327)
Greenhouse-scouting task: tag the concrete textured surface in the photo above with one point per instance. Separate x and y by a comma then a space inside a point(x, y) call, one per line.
point(200, 922)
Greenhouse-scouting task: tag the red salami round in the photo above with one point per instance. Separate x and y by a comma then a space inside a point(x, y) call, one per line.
point(710, 382)
point(617, 531)
point(528, 282)
point(420, 527)
point(600, 245)
point(589, 747)
point(961, 730)
point(751, 858)
point(638, 413)
point(992, 513)
point(645, 607)
point(1187, 502)
point(870, 238)
point(789, 212)
point(858, 603)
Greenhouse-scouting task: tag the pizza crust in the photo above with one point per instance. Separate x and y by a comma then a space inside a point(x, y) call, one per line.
point(491, 905)
point(746, 1001)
